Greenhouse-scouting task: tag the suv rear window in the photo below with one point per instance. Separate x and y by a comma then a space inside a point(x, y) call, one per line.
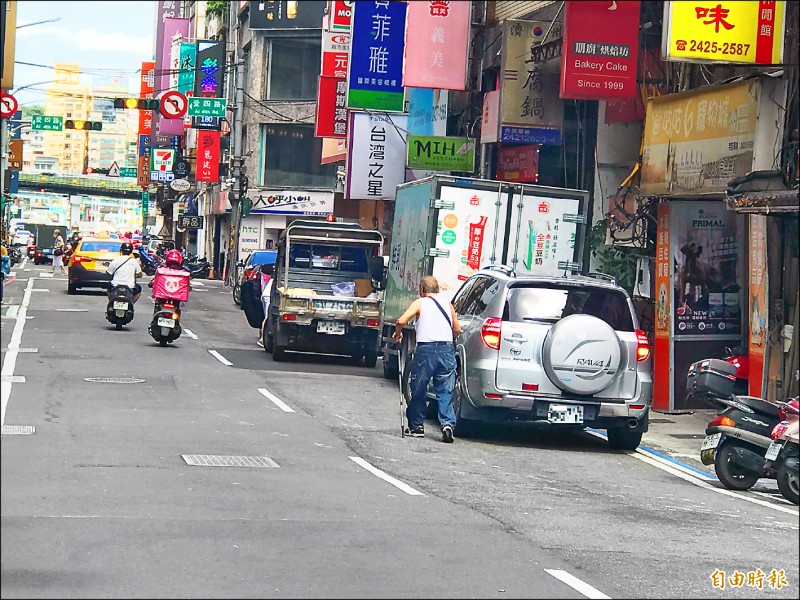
point(552, 303)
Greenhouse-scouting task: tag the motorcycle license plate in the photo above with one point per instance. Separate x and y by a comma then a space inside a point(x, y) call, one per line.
point(565, 413)
point(773, 450)
point(331, 327)
point(711, 441)
point(162, 322)
point(120, 306)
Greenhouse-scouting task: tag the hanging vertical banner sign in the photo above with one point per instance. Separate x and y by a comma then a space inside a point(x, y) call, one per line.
point(530, 110)
point(376, 155)
point(172, 28)
point(187, 57)
point(375, 68)
point(437, 45)
point(335, 51)
point(331, 113)
point(175, 61)
point(758, 303)
point(600, 50)
point(146, 85)
point(210, 70)
point(724, 31)
point(662, 351)
point(207, 156)
point(340, 13)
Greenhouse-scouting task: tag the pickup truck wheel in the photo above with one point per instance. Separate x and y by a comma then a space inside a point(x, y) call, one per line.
point(278, 353)
point(371, 359)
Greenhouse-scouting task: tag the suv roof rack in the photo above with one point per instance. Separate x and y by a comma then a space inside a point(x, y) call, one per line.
point(505, 269)
point(603, 276)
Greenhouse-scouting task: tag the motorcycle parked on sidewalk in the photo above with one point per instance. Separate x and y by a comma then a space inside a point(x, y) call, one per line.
point(739, 359)
point(783, 455)
point(197, 267)
point(119, 310)
point(738, 437)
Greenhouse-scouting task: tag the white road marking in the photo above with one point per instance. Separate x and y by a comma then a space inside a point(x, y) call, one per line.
point(220, 358)
point(275, 400)
point(576, 584)
point(200, 283)
point(694, 479)
point(11, 355)
point(47, 275)
point(12, 311)
point(12, 274)
point(199, 290)
point(24, 262)
point(189, 333)
point(404, 487)
point(41, 290)
point(72, 309)
point(12, 378)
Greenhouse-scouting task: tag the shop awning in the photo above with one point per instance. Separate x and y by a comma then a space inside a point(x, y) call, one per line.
point(762, 192)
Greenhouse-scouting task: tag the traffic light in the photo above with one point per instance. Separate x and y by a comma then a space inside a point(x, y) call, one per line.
point(137, 103)
point(88, 171)
point(83, 125)
point(243, 182)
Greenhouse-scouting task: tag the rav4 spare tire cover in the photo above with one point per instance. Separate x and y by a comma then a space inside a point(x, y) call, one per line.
point(581, 354)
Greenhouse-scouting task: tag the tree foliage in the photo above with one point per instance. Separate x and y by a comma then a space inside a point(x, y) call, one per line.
point(616, 260)
point(216, 7)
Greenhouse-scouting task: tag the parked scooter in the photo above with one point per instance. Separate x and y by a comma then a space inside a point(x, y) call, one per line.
point(738, 437)
point(783, 455)
point(197, 267)
point(739, 359)
point(119, 310)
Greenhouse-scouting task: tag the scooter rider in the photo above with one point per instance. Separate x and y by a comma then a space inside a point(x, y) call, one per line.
point(172, 260)
point(124, 270)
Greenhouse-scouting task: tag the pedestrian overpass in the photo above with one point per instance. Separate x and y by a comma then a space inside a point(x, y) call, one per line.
point(77, 185)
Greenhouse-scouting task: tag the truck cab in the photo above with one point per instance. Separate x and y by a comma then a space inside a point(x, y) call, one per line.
point(325, 295)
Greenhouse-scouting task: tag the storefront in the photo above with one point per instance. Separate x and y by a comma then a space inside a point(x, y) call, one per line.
point(694, 144)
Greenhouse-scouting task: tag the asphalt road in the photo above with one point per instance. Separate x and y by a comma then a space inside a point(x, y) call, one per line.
point(100, 502)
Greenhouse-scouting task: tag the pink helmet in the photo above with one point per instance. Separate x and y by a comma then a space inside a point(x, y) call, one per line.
point(174, 257)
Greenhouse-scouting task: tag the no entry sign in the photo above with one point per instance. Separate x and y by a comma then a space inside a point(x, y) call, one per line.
point(173, 105)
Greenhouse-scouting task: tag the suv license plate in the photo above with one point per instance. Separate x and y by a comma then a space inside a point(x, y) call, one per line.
point(120, 306)
point(773, 450)
point(331, 327)
point(711, 441)
point(565, 413)
point(162, 322)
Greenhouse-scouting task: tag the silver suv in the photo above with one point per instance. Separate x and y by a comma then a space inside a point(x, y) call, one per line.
point(559, 352)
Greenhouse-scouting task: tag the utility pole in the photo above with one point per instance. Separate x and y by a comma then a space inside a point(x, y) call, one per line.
point(232, 256)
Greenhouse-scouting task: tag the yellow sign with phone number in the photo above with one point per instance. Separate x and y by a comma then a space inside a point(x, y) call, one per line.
point(746, 32)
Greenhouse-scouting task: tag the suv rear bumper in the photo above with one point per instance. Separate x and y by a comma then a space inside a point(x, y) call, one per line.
point(636, 421)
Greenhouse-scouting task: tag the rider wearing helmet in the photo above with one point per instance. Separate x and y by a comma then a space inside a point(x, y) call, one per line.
point(125, 269)
point(173, 259)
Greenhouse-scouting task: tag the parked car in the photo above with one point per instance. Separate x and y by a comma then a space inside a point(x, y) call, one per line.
point(558, 352)
point(89, 261)
point(245, 270)
point(23, 237)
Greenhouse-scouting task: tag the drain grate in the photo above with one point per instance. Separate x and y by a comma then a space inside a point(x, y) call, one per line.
point(688, 436)
point(206, 460)
point(18, 430)
point(113, 380)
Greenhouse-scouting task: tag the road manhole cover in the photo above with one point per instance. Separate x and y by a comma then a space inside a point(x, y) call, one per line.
point(18, 429)
point(206, 460)
point(113, 380)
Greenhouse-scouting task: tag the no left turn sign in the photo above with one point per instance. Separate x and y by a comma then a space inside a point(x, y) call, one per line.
point(173, 105)
point(8, 105)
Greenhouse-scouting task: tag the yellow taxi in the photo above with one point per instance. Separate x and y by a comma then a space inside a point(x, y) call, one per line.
point(88, 263)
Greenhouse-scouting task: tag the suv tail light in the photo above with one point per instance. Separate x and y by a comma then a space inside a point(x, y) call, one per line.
point(642, 346)
point(490, 332)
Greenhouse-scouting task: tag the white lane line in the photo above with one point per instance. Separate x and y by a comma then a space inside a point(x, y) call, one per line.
point(10, 361)
point(220, 358)
point(200, 283)
point(12, 274)
point(12, 378)
point(47, 275)
point(190, 333)
point(576, 584)
point(41, 290)
point(388, 478)
point(275, 400)
point(23, 263)
point(12, 311)
point(199, 290)
point(672, 469)
point(71, 310)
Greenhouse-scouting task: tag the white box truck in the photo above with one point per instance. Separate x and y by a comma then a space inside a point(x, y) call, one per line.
point(450, 227)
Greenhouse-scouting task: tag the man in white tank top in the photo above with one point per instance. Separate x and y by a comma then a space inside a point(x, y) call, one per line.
point(434, 357)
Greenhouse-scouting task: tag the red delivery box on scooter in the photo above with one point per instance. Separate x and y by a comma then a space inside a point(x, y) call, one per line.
point(172, 284)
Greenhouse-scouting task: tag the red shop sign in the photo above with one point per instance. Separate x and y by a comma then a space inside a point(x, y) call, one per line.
point(518, 163)
point(207, 156)
point(600, 50)
point(331, 112)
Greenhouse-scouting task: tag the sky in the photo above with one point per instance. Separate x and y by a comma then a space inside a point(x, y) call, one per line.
point(107, 37)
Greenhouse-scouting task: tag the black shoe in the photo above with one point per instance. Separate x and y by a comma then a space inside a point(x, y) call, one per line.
point(447, 434)
point(417, 431)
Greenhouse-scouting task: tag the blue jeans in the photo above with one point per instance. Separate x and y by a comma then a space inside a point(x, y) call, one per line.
point(437, 361)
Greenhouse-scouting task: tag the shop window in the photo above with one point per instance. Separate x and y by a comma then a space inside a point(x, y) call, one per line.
point(293, 158)
point(293, 69)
